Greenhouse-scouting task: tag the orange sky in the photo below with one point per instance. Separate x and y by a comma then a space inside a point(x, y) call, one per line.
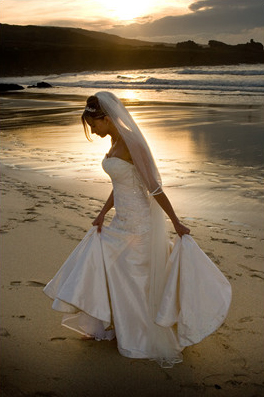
point(230, 21)
point(103, 12)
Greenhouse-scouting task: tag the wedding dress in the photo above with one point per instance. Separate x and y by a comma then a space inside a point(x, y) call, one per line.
point(103, 287)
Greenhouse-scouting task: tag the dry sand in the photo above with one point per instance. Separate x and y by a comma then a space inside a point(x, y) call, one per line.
point(42, 220)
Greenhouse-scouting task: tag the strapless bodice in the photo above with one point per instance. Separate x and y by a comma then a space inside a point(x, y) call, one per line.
point(131, 200)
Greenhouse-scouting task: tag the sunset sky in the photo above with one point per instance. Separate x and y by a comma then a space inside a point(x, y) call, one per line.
point(231, 21)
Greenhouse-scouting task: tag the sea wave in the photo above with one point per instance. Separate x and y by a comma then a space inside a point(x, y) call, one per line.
point(226, 72)
point(153, 83)
point(239, 80)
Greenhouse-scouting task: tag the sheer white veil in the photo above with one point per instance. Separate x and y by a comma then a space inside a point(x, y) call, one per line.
point(147, 169)
point(134, 139)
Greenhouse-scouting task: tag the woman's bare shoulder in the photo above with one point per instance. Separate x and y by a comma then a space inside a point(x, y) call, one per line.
point(125, 152)
point(120, 149)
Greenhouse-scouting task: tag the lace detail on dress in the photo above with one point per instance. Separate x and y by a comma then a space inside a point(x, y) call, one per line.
point(131, 200)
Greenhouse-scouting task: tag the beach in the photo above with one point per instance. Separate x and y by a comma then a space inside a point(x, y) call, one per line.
point(211, 162)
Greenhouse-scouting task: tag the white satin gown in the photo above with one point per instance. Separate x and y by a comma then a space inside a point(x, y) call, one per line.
point(103, 287)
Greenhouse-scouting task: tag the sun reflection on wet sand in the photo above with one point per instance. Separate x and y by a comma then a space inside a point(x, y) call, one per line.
point(212, 152)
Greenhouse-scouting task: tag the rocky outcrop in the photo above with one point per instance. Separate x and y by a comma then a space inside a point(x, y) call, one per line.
point(10, 87)
point(42, 84)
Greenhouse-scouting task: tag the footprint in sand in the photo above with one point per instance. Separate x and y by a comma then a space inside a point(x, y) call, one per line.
point(4, 332)
point(234, 382)
point(3, 231)
point(57, 338)
point(226, 241)
point(246, 320)
point(239, 361)
point(257, 273)
point(258, 276)
point(35, 284)
point(15, 283)
point(30, 283)
point(248, 268)
point(213, 257)
point(33, 219)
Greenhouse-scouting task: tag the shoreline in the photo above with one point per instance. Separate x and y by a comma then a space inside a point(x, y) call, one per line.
point(46, 94)
point(42, 220)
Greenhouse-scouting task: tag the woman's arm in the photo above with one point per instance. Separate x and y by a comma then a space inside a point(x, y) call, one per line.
point(100, 218)
point(165, 204)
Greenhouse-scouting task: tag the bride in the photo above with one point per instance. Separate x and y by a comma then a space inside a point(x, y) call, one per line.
point(125, 280)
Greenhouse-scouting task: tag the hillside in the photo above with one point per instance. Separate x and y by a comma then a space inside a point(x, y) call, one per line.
point(31, 50)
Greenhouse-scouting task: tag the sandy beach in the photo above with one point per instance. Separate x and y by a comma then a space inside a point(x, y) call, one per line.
point(45, 211)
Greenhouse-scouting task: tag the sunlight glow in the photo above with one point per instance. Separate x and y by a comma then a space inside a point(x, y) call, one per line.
point(99, 13)
point(134, 10)
point(123, 10)
point(130, 95)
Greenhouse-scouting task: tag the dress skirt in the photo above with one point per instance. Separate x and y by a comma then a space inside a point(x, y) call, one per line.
point(103, 291)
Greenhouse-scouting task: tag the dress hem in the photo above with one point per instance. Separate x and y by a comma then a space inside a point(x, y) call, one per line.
point(163, 362)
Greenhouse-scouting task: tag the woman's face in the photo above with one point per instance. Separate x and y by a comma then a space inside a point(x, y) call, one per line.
point(99, 127)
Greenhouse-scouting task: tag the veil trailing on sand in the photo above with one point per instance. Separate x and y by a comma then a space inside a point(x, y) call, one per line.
point(147, 169)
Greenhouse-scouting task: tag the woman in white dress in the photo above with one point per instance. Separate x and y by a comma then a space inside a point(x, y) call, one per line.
point(122, 280)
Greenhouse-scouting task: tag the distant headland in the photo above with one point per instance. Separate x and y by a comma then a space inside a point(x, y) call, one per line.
point(32, 50)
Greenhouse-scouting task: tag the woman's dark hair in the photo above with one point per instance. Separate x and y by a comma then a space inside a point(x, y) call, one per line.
point(93, 110)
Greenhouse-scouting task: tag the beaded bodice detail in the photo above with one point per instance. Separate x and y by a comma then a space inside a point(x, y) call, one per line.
point(131, 201)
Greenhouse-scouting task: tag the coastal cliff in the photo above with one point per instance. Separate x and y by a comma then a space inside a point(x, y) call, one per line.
point(31, 50)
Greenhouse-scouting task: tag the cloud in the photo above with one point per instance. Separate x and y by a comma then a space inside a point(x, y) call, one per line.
point(222, 4)
point(144, 19)
point(208, 19)
point(92, 24)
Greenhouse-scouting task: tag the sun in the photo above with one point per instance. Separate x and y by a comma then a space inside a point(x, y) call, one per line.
point(126, 11)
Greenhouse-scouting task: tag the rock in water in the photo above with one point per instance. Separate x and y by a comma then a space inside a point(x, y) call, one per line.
point(42, 84)
point(10, 87)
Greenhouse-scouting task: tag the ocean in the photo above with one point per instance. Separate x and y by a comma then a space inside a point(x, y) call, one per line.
point(240, 84)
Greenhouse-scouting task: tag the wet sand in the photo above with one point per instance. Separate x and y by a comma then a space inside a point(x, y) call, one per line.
point(42, 220)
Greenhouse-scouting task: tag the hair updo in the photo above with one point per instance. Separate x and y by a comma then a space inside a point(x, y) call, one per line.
point(93, 110)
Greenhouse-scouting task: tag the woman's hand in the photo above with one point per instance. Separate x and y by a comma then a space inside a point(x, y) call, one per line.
point(100, 218)
point(181, 229)
point(165, 204)
point(99, 222)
